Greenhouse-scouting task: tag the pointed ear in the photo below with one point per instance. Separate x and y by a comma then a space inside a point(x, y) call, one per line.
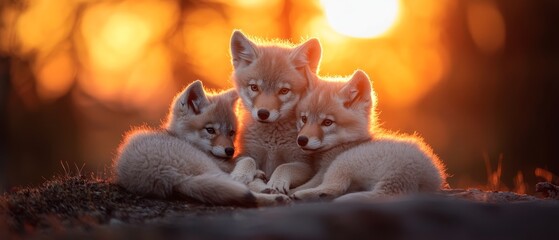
point(231, 96)
point(243, 51)
point(307, 54)
point(357, 89)
point(311, 78)
point(193, 97)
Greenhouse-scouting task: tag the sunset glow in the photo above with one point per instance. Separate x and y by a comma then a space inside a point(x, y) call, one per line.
point(104, 58)
point(361, 18)
point(486, 26)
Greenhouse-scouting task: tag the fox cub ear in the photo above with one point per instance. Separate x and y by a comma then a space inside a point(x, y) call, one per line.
point(307, 54)
point(193, 97)
point(243, 51)
point(231, 96)
point(357, 89)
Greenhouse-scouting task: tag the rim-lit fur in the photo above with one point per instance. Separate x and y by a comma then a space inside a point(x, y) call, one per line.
point(337, 123)
point(178, 158)
point(348, 102)
point(194, 111)
point(271, 67)
point(271, 77)
point(182, 158)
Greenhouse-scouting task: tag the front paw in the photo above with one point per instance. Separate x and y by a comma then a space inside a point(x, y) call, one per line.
point(278, 186)
point(282, 199)
point(302, 195)
point(310, 195)
point(261, 175)
point(272, 199)
point(242, 178)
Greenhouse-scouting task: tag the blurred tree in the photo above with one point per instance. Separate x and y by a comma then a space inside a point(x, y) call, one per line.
point(502, 102)
point(4, 88)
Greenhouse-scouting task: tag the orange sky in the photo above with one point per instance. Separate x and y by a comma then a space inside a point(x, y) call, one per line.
point(115, 50)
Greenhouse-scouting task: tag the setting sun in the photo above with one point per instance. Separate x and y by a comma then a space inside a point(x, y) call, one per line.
point(361, 18)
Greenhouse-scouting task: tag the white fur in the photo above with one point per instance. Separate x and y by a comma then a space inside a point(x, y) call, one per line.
point(387, 166)
point(354, 155)
point(274, 114)
point(155, 163)
point(181, 158)
point(267, 144)
point(219, 151)
point(314, 143)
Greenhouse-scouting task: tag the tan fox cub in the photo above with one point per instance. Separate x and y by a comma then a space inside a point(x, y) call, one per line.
point(189, 156)
point(271, 78)
point(337, 123)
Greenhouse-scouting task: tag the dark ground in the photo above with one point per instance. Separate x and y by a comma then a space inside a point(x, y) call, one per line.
point(84, 207)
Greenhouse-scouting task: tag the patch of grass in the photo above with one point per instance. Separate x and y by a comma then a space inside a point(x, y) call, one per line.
point(80, 202)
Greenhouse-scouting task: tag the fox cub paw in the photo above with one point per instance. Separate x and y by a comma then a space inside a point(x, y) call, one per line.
point(276, 187)
point(265, 200)
point(247, 178)
point(245, 170)
point(311, 195)
point(282, 199)
point(243, 178)
point(261, 175)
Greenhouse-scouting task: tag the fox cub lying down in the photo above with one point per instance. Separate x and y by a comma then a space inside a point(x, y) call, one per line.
point(191, 155)
point(336, 123)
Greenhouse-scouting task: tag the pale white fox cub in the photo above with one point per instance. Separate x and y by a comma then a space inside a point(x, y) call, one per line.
point(190, 155)
point(337, 123)
point(271, 78)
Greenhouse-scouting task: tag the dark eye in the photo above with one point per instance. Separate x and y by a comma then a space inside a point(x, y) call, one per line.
point(304, 119)
point(210, 130)
point(327, 122)
point(284, 91)
point(253, 87)
point(231, 133)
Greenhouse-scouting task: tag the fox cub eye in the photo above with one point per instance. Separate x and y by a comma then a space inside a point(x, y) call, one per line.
point(253, 87)
point(231, 133)
point(304, 119)
point(210, 130)
point(284, 91)
point(327, 122)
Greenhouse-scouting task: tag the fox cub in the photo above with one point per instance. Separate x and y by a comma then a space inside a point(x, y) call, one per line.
point(190, 155)
point(271, 78)
point(337, 124)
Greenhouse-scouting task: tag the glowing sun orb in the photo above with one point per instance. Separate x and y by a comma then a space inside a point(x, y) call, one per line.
point(361, 18)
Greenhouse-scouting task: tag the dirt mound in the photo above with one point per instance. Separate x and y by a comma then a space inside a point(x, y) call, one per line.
point(89, 207)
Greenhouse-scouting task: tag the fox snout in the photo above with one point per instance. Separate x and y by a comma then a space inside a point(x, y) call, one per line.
point(310, 137)
point(302, 141)
point(229, 151)
point(223, 147)
point(309, 143)
point(263, 114)
point(223, 152)
point(266, 108)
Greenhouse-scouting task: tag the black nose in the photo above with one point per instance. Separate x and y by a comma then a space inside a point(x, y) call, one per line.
point(302, 141)
point(263, 114)
point(229, 151)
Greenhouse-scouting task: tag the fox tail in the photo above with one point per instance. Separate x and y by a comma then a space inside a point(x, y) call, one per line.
point(216, 189)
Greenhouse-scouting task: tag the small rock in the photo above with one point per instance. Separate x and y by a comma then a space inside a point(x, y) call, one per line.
point(115, 222)
point(548, 190)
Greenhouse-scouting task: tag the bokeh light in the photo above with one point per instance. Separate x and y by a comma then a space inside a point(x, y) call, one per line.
point(361, 18)
point(486, 26)
point(100, 66)
point(123, 58)
point(56, 75)
point(39, 33)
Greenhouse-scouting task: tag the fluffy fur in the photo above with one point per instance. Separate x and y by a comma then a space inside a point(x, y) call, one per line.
point(337, 123)
point(190, 155)
point(271, 78)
